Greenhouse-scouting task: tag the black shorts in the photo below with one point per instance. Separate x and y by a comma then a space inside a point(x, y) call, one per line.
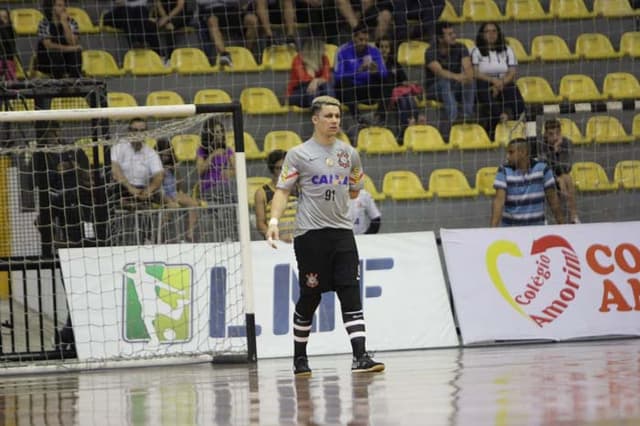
point(327, 258)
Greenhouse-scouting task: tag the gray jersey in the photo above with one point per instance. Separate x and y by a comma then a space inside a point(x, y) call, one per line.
point(325, 174)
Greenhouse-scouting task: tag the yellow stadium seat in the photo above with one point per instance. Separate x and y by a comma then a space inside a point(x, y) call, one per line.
point(260, 100)
point(450, 183)
point(99, 63)
point(551, 48)
point(144, 62)
point(526, 10)
point(613, 8)
point(595, 46)
point(278, 58)
point(243, 60)
point(330, 50)
point(579, 88)
point(571, 131)
point(505, 132)
point(469, 44)
point(85, 26)
point(370, 187)
point(25, 21)
point(22, 104)
point(569, 9)
point(211, 96)
point(343, 137)
point(484, 180)
point(630, 44)
point(621, 85)
point(191, 60)
point(88, 146)
point(185, 147)
point(412, 52)
point(536, 90)
point(449, 14)
point(403, 185)
point(607, 129)
point(518, 50)
point(68, 103)
point(253, 184)
point(121, 99)
point(590, 176)
point(636, 126)
point(20, 75)
point(627, 174)
point(251, 150)
point(164, 97)
point(378, 140)
point(421, 138)
point(281, 139)
point(482, 11)
point(470, 136)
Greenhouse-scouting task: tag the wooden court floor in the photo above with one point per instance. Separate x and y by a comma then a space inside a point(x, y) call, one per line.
point(596, 383)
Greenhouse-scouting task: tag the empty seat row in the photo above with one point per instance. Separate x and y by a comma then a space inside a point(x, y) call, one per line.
point(532, 10)
point(579, 88)
point(547, 48)
point(402, 185)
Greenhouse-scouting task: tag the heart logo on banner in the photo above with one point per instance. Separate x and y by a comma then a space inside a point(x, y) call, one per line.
point(538, 247)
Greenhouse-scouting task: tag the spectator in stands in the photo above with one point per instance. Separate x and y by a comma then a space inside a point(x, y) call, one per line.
point(557, 152)
point(171, 16)
point(277, 12)
point(360, 74)
point(310, 74)
point(215, 164)
point(136, 167)
point(403, 91)
point(218, 15)
point(449, 75)
point(264, 195)
point(64, 182)
point(59, 51)
point(494, 65)
point(364, 214)
point(521, 187)
point(7, 48)
point(133, 18)
point(172, 197)
point(426, 12)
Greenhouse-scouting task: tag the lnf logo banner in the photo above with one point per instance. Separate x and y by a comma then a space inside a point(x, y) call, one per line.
point(545, 282)
point(403, 292)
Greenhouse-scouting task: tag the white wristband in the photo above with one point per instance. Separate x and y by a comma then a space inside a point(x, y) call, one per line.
point(273, 221)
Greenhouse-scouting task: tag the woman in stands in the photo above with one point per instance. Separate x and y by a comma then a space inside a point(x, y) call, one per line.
point(495, 66)
point(310, 74)
point(7, 47)
point(59, 51)
point(403, 91)
point(216, 164)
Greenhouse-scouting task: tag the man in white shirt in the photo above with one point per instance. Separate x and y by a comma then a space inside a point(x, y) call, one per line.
point(364, 214)
point(135, 165)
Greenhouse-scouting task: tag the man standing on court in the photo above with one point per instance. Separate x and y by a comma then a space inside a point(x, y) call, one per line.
point(328, 172)
point(521, 187)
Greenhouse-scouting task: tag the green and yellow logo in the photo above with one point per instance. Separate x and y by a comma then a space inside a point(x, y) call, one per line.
point(157, 303)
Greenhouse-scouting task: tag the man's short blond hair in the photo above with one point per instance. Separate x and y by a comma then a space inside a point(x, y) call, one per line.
point(318, 102)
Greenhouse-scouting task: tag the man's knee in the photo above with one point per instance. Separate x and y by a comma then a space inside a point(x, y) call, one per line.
point(212, 22)
point(250, 20)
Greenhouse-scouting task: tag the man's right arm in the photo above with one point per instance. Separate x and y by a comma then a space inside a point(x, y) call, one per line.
point(278, 205)
point(498, 206)
point(120, 178)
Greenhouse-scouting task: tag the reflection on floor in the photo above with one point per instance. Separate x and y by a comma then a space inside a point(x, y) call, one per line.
point(568, 383)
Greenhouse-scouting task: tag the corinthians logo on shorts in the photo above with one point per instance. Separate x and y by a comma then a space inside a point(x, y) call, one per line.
point(343, 159)
point(311, 280)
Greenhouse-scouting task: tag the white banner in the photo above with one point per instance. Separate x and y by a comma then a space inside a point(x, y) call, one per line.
point(545, 282)
point(133, 301)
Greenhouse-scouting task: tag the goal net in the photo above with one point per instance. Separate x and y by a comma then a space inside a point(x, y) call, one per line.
point(124, 236)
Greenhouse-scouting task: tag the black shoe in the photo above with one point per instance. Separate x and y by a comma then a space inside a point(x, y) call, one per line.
point(365, 364)
point(301, 367)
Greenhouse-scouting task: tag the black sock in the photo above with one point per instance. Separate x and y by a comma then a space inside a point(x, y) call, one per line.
point(301, 331)
point(354, 324)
